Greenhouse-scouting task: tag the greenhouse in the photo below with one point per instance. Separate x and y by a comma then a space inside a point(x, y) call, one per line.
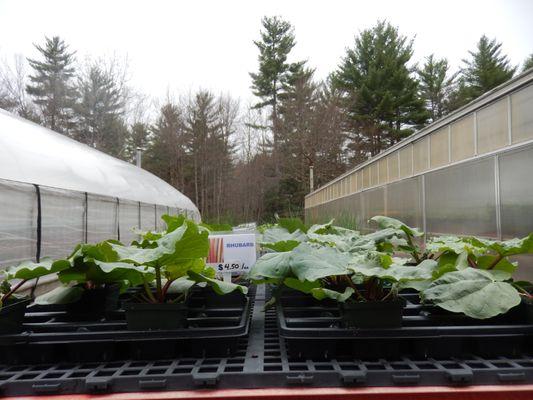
point(56, 192)
point(467, 174)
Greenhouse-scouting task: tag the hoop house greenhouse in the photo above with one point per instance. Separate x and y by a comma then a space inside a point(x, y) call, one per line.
point(56, 192)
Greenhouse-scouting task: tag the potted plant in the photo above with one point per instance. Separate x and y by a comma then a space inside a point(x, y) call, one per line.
point(93, 281)
point(365, 284)
point(12, 306)
point(173, 261)
point(475, 276)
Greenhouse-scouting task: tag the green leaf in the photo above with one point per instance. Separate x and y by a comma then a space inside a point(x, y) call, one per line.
point(217, 227)
point(344, 240)
point(388, 222)
point(271, 265)
point(322, 229)
point(371, 266)
point(181, 285)
point(448, 244)
point(184, 243)
point(220, 287)
point(321, 294)
point(274, 235)
point(60, 295)
point(309, 263)
point(476, 293)
point(30, 270)
point(505, 248)
point(173, 222)
point(302, 286)
point(284, 245)
point(292, 224)
point(487, 262)
point(303, 262)
point(178, 270)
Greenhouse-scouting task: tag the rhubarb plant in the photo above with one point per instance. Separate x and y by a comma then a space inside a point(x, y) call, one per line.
point(92, 266)
point(16, 276)
point(474, 276)
point(176, 255)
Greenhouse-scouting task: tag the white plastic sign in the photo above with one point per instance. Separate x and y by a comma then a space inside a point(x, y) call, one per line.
point(232, 253)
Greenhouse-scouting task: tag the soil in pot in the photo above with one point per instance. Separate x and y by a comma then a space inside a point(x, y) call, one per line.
point(95, 302)
point(160, 316)
point(373, 314)
point(12, 315)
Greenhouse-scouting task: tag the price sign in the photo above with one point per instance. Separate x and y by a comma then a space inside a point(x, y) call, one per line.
point(232, 253)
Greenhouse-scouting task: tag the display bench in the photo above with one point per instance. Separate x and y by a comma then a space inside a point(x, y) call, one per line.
point(262, 366)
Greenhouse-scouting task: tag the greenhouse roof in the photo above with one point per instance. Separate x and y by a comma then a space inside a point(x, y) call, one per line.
point(33, 154)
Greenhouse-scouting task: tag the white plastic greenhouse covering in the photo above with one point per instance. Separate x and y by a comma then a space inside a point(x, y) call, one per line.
point(56, 192)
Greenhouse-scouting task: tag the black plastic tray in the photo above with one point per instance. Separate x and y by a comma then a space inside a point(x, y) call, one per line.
point(314, 329)
point(261, 360)
point(50, 334)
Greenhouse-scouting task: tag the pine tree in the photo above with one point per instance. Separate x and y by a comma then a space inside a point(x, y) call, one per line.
point(381, 95)
point(277, 41)
point(436, 85)
point(528, 63)
point(486, 68)
point(100, 109)
point(51, 84)
point(138, 137)
point(164, 154)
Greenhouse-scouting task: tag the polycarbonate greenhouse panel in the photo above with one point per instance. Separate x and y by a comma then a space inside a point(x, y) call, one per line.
point(147, 217)
point(493, 127)
point(373, 204)
point(102, 218)
point(516, 192)
point(160, 211)
point(63, 221)
point(128, 212)
point(31, 153)
point(462, 200)
point(18, 223)
point(404, 201)
point(522, 117)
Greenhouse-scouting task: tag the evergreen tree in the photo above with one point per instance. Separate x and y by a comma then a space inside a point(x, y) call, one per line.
point(138, 137)
point(486, 68)
point(380, 93)
point(277, 41)
point(528, 63)
point(435, 85)
point(99, 110)
point(164, 154)
point(51, 84)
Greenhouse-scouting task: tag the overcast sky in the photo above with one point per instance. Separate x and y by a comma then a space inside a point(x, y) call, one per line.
point(184, 45)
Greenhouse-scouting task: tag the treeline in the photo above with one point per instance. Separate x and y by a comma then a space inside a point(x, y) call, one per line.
point(242, 163)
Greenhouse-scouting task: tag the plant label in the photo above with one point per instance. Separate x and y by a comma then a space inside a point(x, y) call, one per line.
point(232, 254)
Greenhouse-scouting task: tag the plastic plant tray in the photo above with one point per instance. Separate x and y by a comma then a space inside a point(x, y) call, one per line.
point(57, 336)
point(314, 329)
point(261, 361)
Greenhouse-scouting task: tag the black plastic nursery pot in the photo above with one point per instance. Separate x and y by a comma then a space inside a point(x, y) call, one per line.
point(161, 316)
point(213, 299)
point(95, 302)
point(527, 310)
point(12, 315)
point(318, 330)
point(373, 314)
